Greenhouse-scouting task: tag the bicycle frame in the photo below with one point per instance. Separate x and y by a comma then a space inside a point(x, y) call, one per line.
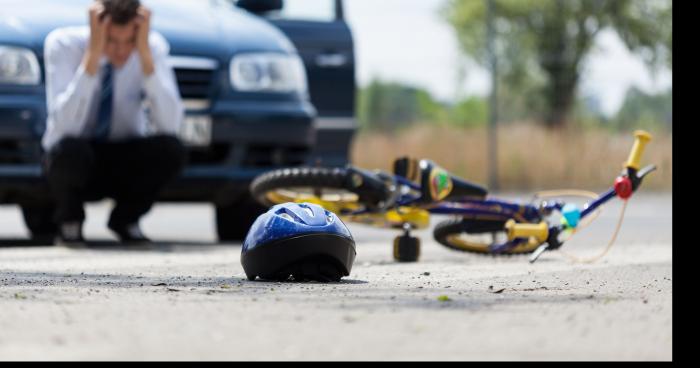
point(479, 209)
point(408, 209)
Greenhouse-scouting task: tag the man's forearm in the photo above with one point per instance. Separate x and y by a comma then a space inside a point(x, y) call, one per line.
point(91, 63)
point(147, 62)
point(166, 106)
point(69, 98)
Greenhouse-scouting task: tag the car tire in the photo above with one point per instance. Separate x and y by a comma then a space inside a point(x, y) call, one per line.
point(234, 221)
point(39, 221)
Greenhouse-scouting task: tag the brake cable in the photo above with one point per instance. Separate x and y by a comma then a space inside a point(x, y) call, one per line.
point(572, 193)
point(582, 193)
point(576, 259)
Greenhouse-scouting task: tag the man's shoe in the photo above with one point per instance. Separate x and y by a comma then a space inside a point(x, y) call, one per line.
point(70, 235)
point(130, 234)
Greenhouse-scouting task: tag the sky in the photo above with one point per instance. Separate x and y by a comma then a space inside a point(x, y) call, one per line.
point(407, 41)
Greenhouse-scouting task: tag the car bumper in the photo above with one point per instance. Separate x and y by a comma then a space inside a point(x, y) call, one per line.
point(248, 139)
point(25, 184)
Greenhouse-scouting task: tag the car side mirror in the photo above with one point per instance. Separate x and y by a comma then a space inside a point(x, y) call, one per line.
point(260, 6)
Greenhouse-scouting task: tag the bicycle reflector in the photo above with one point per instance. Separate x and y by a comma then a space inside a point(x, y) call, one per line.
point(623, 187)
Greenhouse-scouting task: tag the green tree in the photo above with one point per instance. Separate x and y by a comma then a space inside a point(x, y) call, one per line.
point(542, 44)
point(389, 105)
point(472, 111)
point(641, 110)
point(588, 113)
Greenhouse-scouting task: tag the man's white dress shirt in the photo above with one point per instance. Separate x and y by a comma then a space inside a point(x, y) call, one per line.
point(72, 95)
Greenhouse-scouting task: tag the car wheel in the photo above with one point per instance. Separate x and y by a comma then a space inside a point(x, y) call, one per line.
point(234, 221)
point(39, 221)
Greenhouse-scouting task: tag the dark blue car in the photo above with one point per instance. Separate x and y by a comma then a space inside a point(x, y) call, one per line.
point(239, 124)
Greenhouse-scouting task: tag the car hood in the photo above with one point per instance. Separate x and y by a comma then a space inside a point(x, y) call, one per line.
point(212, 28)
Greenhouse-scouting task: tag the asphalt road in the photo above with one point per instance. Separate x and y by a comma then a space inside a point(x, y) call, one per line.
point(187, 298)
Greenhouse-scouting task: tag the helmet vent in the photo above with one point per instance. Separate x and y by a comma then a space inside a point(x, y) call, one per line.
point(308, 210)
point(289, 215)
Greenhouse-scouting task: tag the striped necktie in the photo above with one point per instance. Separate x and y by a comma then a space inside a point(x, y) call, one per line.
point(104, 116)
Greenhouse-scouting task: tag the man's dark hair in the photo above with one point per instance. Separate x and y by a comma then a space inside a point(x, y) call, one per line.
point(121, 11)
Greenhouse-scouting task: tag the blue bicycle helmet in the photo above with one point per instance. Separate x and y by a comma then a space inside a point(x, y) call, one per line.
point(300, 240)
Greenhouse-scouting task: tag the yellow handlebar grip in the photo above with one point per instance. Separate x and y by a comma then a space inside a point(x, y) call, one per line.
point(539, 231)
point(641, 140)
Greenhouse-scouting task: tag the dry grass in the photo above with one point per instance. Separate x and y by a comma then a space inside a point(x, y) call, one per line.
point(530, 157)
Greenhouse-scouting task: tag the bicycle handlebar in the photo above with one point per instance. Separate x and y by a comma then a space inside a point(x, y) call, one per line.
point(640, 142)
point(624, 187)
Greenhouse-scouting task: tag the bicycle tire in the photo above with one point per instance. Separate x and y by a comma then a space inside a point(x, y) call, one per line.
point(448, 234)
point(284, 185)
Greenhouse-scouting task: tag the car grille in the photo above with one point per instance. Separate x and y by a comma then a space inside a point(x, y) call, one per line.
point(195, 76)
point(195, 80)
point(194, 83)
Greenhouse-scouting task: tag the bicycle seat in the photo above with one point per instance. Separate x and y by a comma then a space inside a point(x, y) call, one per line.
point(437, 183)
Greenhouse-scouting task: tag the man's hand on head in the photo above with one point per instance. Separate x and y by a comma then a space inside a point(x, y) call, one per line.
point(143, 24)
point(98, 37)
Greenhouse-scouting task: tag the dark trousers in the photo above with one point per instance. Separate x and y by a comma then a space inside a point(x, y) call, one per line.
point(131, 172)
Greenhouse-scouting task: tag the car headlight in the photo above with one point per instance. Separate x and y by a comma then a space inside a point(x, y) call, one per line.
point(268, 72)
point(18, 66)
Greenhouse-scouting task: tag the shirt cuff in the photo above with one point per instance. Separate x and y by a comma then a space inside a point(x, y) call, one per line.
point(151, 84)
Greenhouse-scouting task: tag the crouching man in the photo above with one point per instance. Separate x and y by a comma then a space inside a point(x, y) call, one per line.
point(113, 113)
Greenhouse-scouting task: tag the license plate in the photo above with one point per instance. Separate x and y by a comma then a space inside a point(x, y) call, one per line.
point(196, 130)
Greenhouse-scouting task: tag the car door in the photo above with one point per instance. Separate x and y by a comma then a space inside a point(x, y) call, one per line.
point(324, 40)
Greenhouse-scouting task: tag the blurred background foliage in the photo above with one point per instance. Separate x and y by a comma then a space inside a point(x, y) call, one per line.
point(550, 135)
point(389, 106)
point(541, 47)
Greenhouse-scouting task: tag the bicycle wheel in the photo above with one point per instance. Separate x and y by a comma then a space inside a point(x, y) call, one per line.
point(339, 188)
point(476, 236)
